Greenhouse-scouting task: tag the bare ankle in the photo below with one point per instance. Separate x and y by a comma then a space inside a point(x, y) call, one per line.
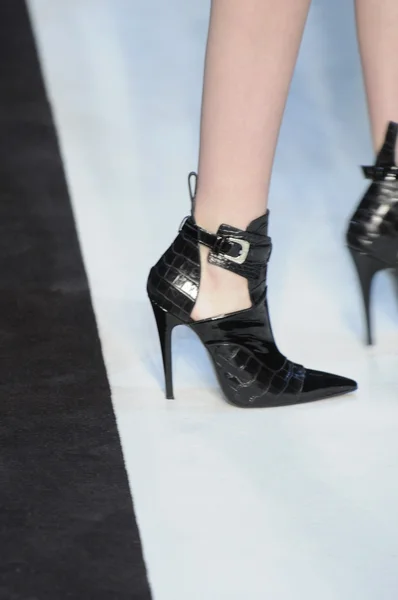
point(207, 216)
point(220, 291)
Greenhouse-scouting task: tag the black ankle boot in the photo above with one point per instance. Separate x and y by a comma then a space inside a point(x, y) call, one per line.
point(372, 234)
point(250, 369)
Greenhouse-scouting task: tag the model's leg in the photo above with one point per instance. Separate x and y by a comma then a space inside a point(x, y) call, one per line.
point(371, 234)
point(377, 24)
point(251, 53)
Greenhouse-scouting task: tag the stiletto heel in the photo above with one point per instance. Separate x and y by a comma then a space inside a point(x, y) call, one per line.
point(366, 267)
point(250, 369)
point(372, 235)
point(165, 323)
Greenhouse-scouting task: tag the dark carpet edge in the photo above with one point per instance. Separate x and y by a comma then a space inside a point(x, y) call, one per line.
point(67, 524)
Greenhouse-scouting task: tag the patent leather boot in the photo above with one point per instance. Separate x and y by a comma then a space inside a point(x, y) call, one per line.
point(249, 367)
point(372, 234)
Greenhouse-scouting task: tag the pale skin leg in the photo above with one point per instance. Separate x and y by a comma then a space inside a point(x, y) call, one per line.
point(251, 54)
point(377, 26)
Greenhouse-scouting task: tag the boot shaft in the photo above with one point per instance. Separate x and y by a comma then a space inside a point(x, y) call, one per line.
point(174, 281)
point(373, 228)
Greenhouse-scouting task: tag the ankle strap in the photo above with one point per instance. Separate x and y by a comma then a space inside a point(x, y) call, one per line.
point(381, 173)
point(227, 246)
point(245, 253)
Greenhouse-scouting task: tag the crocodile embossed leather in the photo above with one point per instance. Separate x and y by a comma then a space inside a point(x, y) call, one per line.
point(372, 234)
point(250, 369)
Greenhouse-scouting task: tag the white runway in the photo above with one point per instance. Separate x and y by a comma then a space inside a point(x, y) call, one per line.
point(295, 503)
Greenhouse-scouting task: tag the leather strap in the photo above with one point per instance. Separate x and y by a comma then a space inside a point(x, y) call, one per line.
point(381, 173)
point(219, 244)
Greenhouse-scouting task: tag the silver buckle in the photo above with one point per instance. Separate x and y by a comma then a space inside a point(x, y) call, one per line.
point(245, 247)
